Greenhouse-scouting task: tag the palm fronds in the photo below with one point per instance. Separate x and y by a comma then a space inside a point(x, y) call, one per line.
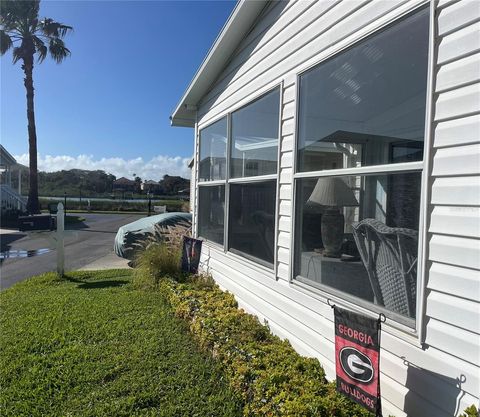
point(19, 22)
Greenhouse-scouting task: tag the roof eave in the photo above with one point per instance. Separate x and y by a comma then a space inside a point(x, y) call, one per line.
point(236, 27)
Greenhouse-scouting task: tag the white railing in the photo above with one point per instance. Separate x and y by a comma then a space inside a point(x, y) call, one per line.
point(11, 200)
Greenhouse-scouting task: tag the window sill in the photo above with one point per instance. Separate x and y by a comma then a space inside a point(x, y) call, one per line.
point(395, 325)
point(259, 269)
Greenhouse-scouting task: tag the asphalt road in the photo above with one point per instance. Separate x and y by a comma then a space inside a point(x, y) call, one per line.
point(84, 243)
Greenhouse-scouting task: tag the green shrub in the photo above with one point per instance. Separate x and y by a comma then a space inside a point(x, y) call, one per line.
point(265, 371)
point(156, 262)
point(159, 254)
point(471, 411)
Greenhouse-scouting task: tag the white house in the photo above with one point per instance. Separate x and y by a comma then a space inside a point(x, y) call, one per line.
point(337, 158)
point(11, 198)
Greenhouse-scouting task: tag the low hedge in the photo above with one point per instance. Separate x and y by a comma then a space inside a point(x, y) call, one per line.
point(265, 371)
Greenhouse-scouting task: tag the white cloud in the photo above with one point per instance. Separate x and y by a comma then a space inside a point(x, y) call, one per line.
point(153, 169)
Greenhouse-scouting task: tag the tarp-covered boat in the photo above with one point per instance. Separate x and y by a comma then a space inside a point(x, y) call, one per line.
point(130, 237)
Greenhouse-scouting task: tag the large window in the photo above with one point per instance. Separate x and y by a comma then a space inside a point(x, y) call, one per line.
point(362, 114)
point(212, 174)
point(248, 177)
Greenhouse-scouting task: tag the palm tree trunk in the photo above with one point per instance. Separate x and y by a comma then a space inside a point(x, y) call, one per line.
point(33, 205)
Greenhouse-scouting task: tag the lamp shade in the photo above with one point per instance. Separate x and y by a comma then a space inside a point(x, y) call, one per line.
point(332, 192)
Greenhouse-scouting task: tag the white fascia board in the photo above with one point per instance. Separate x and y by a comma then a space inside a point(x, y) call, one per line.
point(236, 27)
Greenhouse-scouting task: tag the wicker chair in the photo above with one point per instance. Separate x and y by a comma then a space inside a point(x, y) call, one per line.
point(390, 257)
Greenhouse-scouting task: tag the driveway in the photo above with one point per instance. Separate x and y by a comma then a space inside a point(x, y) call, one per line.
point(85, 245)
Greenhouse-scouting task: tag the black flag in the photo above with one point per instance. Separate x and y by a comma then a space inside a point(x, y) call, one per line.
point(191, 254)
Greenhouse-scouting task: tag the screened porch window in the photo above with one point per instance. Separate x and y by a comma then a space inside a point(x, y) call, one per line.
point(359, 165)
point(241, 186)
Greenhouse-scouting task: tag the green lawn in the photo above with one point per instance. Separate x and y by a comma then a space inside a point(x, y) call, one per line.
point(92, 345)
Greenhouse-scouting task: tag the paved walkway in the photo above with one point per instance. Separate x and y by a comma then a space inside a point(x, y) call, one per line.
point(88, 246)
point(110, 261)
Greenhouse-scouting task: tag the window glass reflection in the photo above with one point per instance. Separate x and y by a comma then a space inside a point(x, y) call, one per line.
point(252, 219)
point(213, 151)
point(255, 137)
point(211, 209)
point(366, 106)
point(359, 234)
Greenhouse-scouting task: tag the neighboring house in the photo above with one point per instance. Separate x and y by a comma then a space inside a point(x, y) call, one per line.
point(10, 172)
point(337, 157)
point(124, 184)
point(151, 186)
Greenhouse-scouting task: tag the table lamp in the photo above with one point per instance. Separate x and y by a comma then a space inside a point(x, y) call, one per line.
point(333, 194)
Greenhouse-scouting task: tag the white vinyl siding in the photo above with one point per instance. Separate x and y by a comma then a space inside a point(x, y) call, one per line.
point(289, 37)
point(453, 296)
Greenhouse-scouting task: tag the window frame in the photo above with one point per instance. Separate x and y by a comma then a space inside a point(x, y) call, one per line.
point(261, 264)
point(412, 328)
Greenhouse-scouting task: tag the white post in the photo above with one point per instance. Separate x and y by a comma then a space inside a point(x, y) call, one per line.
point(60, 247)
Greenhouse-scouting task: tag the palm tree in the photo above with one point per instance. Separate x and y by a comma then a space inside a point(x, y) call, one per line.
point(22, 30)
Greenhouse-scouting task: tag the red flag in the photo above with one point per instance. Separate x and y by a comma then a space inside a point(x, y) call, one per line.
point(357, 358)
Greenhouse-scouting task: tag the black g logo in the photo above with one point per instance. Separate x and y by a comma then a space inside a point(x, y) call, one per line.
point(356, 365)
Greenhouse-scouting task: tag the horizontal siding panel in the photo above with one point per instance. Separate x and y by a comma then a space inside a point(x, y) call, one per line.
point(284, 224)
point(459, 221)
point(453, 280)
point(287, 143)
point(430, 386)
point(463, 191)
point(455, 251)
point(457, 15)
point(289, 94)
point(409, 401)
point(242, 266)
point(458, 73)
point(288, 110)
point(458, 132)
point(388, 409)
point(282, 271)
point(289, 80)
point(285, 208)
point(460, 160)
point(459, 102)
point(286, 160)
point(434, 361)
point(459, 44)
point(284, 242)
point(286, 176)
point(455, 311)
point(287, 127)
point(283, 255)
point(453, 340)
point(285, 192)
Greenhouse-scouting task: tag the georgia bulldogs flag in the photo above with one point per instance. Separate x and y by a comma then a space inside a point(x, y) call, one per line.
point(191, 254)
point(357, 358)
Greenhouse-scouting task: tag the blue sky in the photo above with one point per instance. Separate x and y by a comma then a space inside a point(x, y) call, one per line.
point(111, 100)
